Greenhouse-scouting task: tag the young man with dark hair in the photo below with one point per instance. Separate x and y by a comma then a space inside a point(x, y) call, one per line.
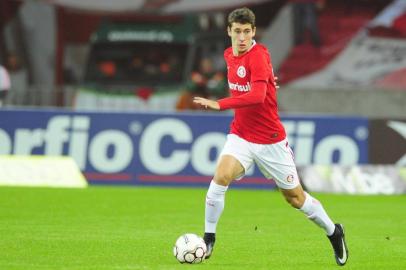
point(257, 134)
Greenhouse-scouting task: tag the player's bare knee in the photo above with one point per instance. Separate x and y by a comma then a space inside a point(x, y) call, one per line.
point(294, 201)
point(223, 178)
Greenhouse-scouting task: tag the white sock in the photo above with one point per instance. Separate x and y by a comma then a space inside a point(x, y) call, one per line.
point(214, 206)
point(315, 212)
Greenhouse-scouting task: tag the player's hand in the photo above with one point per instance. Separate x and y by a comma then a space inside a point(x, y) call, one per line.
point(276, 82)
point(207, 103)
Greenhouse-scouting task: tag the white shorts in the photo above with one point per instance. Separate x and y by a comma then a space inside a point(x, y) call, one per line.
point(275, 161)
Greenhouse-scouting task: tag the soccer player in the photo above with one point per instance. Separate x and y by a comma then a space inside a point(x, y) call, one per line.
point(257, 135)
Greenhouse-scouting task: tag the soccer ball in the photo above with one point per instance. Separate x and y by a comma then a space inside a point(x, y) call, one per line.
point(190, 248)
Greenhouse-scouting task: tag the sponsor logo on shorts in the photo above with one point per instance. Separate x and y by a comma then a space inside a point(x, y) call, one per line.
point(290, 178)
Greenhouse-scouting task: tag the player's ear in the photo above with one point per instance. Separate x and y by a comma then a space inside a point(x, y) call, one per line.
point(229, 31)
point(253, 31)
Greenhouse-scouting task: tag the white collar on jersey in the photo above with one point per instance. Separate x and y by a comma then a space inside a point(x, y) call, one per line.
point(252, 46)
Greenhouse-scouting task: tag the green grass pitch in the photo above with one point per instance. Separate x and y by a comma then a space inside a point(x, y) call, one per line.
point(105, 228)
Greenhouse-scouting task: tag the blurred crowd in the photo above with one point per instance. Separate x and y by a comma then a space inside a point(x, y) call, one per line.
point(177, 65)
point(13, 81)
point(203, 82)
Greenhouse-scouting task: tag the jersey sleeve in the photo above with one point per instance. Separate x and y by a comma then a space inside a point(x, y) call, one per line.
point(259, 67)
point(255, 96)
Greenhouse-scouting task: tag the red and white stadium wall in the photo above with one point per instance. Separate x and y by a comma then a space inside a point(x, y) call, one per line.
point(181, 149)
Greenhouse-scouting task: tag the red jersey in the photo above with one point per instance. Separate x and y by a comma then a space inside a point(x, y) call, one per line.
point(253, 96)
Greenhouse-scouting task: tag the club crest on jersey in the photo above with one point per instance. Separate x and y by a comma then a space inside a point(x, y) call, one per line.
point(241, 72)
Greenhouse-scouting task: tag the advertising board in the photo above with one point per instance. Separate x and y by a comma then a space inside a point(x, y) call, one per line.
point(182, 149)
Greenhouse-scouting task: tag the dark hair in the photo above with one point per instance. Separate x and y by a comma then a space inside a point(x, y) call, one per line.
point(241, 15)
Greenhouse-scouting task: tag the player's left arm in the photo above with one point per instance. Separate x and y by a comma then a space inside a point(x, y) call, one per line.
point(207, 103)
point(259, 67)
point(255, 96)
point(260, 70)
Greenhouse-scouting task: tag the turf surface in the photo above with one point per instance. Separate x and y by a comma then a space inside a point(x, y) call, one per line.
point(104, 228)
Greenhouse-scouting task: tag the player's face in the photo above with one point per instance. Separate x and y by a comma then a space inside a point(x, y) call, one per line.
point(241, 37)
